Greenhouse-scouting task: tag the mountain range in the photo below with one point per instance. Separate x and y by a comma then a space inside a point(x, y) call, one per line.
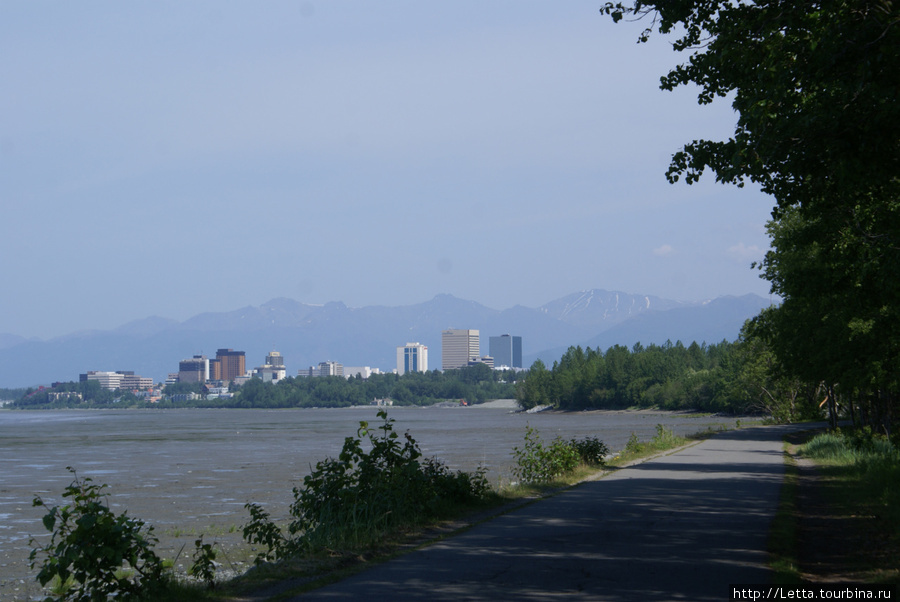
point(369, 336)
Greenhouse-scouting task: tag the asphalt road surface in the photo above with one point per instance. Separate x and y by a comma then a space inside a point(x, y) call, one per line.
point(680, 527)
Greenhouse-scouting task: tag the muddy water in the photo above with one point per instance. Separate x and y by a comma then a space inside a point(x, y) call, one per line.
point(188, 472)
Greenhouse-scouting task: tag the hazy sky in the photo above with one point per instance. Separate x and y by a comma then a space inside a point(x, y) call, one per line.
point(169, 158)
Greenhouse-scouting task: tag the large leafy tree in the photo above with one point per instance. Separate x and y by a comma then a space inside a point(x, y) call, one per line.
point(815, 88)
point(814, 85)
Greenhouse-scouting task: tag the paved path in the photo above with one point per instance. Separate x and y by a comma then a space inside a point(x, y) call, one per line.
point(680, 527)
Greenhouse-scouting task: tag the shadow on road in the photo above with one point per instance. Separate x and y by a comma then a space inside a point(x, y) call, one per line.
point(680, 527)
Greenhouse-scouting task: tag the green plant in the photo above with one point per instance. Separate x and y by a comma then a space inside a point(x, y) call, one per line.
point(93, 553)
point(539, 463)
point(260, 530)
point(355, 499)
point(664, 438)
point(633, 446)
point(592, 450)
point(204, 566)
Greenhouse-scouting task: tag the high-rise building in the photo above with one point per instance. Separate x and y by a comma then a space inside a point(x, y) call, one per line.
point(412, 358)
point(232, 364)
point(194, 370)
point(215, 369)
point(506, 351)
point(458, 347)
point(274, 359)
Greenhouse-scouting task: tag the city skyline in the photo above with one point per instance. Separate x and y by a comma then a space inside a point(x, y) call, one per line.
point(306, 335)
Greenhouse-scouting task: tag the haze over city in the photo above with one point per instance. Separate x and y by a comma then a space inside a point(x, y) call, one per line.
point(176, 158)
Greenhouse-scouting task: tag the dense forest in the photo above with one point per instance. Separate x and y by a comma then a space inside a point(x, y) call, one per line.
point(734, 378)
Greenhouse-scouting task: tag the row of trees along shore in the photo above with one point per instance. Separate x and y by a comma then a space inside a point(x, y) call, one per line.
point(735, 378)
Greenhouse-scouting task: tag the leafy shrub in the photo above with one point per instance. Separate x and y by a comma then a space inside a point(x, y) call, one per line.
point(592, 451)
point(633, 446)
point(540, 463)
point(665, 438)
point(94, 553)
point(354, 499)
point(204, 565)
point(260, 530)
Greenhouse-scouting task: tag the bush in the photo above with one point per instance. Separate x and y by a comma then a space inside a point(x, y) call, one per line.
point(355, 499)
point(592, 451)
point(94, 553)
point(539, 463)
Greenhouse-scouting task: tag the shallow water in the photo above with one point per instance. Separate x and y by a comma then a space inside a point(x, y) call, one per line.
point(188, 472)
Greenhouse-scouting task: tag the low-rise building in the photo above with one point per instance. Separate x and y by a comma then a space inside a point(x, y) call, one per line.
point(323, 369)
point(270, 374)
point(107, 380)
point(363, 372)
point(273, 370)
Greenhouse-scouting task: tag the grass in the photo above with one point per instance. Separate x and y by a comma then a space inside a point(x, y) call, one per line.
point(858, 481)
point(782, 542)
point(860, 476)
point(210, 530)
point(664, 440)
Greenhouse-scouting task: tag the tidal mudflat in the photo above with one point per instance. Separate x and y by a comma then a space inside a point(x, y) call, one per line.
point(190, 472)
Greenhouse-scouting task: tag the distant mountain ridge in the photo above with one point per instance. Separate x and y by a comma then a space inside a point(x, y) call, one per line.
point(598, 307)
point(368, 336)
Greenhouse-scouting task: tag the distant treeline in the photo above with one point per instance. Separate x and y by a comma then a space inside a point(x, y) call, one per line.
point(734, 378)
point(11, 394)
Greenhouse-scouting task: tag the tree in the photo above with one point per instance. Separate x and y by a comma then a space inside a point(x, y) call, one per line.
point(813, 83)
point(814, 86)
point(534, 390)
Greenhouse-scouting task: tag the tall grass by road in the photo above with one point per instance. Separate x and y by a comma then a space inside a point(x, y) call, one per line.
point(867, 467)
point(858, 476)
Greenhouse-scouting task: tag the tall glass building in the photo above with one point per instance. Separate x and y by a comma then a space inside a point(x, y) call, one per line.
point(506, 351)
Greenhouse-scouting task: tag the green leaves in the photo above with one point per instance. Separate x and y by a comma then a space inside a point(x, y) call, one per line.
point(354, 499)
point(90, 545)
point(539, 463)
point(204, 565)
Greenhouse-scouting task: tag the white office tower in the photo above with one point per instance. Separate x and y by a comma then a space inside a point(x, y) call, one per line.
point(413, 357)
